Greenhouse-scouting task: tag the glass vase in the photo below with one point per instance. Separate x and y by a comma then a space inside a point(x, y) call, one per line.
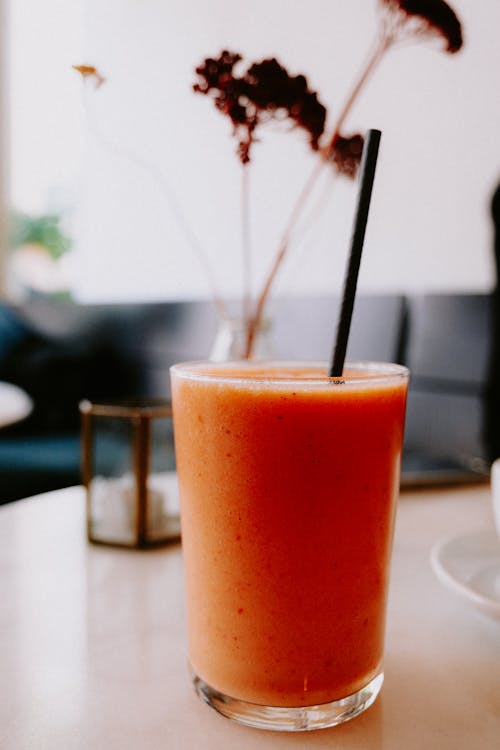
point(230, 341)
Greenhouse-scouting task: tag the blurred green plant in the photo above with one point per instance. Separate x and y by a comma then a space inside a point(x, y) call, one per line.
point(42, 229)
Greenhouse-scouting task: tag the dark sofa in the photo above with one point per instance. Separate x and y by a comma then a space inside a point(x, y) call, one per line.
point(61, 353)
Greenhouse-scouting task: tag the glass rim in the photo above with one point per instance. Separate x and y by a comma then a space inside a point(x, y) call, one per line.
point(379, 372)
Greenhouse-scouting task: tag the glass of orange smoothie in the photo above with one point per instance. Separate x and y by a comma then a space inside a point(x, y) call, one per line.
point(288, 483)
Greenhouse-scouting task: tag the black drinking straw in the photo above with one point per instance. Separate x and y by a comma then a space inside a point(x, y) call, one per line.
point(367, 175)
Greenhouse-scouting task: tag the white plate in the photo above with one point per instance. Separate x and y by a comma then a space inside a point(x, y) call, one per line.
point(15, 404)
point(469, 564)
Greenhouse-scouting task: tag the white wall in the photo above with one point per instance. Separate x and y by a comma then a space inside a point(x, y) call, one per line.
point(4, 165)
point(440, 159)
point(45, 39)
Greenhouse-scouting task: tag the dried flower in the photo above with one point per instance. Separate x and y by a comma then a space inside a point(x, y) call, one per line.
point(429, 18)
point(90, 72)
point(264, 92)
point(346, 154)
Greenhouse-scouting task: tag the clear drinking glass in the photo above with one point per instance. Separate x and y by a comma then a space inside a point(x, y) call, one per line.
point(288, 484)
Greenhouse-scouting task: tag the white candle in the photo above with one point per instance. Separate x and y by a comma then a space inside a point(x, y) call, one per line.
point(114, 507)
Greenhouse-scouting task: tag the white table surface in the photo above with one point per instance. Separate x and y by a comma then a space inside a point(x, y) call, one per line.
point(15, 404)
point(93, 649)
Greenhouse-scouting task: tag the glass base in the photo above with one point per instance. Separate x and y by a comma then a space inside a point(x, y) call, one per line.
point(284, 719)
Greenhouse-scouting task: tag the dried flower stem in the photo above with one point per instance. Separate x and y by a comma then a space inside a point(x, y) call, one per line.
point(246, 242)
point(383, 42)
point(162, 183)
point(254, 320)
point(382, 45)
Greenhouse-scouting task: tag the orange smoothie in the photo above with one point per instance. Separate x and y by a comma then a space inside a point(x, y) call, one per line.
point(288, 483)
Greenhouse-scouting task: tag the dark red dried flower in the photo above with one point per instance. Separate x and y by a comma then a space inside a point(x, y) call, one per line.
point(346, 154)
point(265, 91)
point(435, 17)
